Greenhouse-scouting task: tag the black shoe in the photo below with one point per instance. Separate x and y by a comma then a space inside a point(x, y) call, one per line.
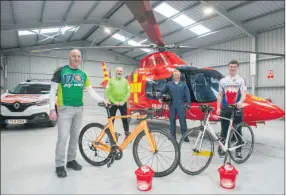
point(221, 153)
point(74, 165)
point(61, 172)
point(238, 155)
point(186, 139)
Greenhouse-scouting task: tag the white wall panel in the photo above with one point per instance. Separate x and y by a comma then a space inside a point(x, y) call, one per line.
point(42, 66)
point(275, 93)
point(204, 58)
point(271, 41)
point(277, 66)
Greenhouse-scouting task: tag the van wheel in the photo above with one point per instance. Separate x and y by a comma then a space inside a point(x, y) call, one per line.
point(52, 123)
point(3, 126)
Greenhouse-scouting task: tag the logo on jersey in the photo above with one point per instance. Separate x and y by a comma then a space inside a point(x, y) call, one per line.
point(72, 80)
point(231, 97)
point(78, 79)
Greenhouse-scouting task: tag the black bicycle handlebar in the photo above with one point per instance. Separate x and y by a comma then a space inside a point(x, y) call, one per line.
point(149, 112)
point(101, 104)
point(208, 108)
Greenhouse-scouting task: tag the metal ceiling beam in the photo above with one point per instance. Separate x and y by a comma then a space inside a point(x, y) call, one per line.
point(230, 26)
point(178, 14)
point(241, 5)
point(91, 10)
point(14, 21)
point(125, 25)
point(116, 7)
point(216, 30)
point(201, 21)
point(113, 52)
point(223, 13)
point(41, 18)
point(263, 15)
point(44, 46)
point(74, 44)
point(205, 34)
point(167, 19)
point(86, 16)
point(39, 25)
point(65, 17)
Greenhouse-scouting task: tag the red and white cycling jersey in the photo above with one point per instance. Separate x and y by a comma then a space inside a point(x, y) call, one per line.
point(231, 88)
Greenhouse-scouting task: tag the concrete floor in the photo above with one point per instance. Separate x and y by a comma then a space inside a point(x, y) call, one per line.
point(27, 166)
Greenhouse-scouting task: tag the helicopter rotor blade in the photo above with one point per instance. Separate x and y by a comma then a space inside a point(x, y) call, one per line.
point(227, 50)
point(143, 13)
point(94, 47)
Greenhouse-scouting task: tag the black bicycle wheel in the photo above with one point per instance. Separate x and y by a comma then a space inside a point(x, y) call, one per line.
point(235, 139)
point(97, 153)
point(192, 134)
point(169, 140)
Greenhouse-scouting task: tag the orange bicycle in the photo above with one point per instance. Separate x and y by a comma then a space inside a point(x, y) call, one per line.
point(98, 144)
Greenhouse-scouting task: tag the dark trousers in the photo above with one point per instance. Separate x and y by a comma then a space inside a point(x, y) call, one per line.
point(238, 118)
point(181, 111)
point(123, 112)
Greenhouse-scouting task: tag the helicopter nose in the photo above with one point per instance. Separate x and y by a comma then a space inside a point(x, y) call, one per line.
point(268, 111)
point(277, 113)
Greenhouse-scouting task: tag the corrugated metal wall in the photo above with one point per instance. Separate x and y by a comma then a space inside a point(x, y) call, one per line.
point(2, 81)
point(268, 41)
point(2, 74)
point(23, 67)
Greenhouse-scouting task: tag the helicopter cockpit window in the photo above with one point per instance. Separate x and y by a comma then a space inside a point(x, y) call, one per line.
point(205, 86)
point(154, 88)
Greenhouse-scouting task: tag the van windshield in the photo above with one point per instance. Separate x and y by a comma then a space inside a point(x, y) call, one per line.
point(31, 89)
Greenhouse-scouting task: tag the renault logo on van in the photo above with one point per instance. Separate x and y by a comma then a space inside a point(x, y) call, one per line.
point(16, 105)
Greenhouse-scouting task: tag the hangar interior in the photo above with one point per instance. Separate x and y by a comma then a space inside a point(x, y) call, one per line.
point(28, 26)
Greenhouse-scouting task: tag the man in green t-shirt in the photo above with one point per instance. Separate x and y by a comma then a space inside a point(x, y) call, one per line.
point(117, 92)
point(69, 81)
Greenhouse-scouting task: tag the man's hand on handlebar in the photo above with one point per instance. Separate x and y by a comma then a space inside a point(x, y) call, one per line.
point(188, 107)
point(239, 105)
point(218, 111)
point(106, 103)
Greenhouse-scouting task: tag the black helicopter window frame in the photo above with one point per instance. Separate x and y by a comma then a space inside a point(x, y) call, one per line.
point(152, 86)
point(207, 94)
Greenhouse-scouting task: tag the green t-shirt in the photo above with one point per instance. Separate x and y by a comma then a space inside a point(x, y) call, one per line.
point(117, 90)
point(71, 85)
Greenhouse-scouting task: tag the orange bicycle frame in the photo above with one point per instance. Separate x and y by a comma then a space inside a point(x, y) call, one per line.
point(141, 126)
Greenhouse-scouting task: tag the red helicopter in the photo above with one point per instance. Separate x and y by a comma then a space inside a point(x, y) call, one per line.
point(156, 69)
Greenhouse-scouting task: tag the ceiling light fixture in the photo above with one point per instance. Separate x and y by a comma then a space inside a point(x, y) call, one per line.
point(208, 11)
point(106, 30)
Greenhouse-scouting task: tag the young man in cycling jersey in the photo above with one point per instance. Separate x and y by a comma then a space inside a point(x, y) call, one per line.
point(69, 81)
point(232, 91)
